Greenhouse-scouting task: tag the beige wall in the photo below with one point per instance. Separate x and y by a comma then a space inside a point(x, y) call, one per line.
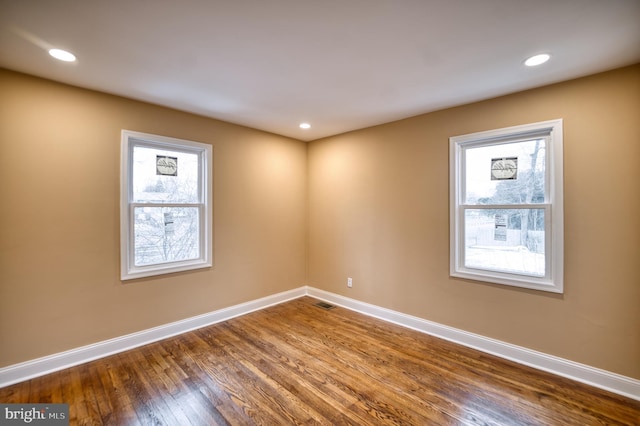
point(59, 219)
point(371, 204)
point(378, 212)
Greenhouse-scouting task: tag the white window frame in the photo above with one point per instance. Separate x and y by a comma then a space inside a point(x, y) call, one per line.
point(553, 280)
point(131, 139)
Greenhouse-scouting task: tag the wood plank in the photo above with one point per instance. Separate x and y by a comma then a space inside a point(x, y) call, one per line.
point(295, 363)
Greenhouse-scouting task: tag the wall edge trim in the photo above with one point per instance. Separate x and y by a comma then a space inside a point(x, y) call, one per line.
point(51, 363)
point(606, 380)
point(613, 382)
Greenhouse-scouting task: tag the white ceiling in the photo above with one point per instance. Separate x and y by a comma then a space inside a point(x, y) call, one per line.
point(338, 64)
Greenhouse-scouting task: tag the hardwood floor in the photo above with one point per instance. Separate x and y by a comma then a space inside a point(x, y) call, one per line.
point(296, 363)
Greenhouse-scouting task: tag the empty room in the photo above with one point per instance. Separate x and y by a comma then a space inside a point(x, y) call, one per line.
point(358, 212)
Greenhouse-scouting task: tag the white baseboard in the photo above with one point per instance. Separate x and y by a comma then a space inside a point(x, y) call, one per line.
point(602, 379)
point(48, 364)
point(616, 383)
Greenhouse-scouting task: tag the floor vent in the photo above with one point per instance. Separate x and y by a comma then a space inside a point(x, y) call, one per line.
point(324, 305)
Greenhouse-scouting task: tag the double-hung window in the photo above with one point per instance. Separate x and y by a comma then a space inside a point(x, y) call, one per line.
point(165, 205)
point(506, 206)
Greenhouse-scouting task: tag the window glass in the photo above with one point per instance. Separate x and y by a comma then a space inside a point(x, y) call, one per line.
point(166, 234)
point(161, 175)
point(507, 173)
point(505, 240)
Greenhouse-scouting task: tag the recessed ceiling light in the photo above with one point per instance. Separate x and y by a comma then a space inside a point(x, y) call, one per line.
point(62, 55)
point(537, 60)
point(305, 125)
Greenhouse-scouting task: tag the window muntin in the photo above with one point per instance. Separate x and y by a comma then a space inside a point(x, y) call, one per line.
point(506, 206)
point(165, 205)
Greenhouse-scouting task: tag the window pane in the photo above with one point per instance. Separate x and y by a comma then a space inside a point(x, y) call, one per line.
point(510, 173)
point(164, 176)
point(166, 234)
point(504, 240)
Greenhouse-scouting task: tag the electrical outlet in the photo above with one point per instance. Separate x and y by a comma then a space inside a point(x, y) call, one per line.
point(349, 282)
